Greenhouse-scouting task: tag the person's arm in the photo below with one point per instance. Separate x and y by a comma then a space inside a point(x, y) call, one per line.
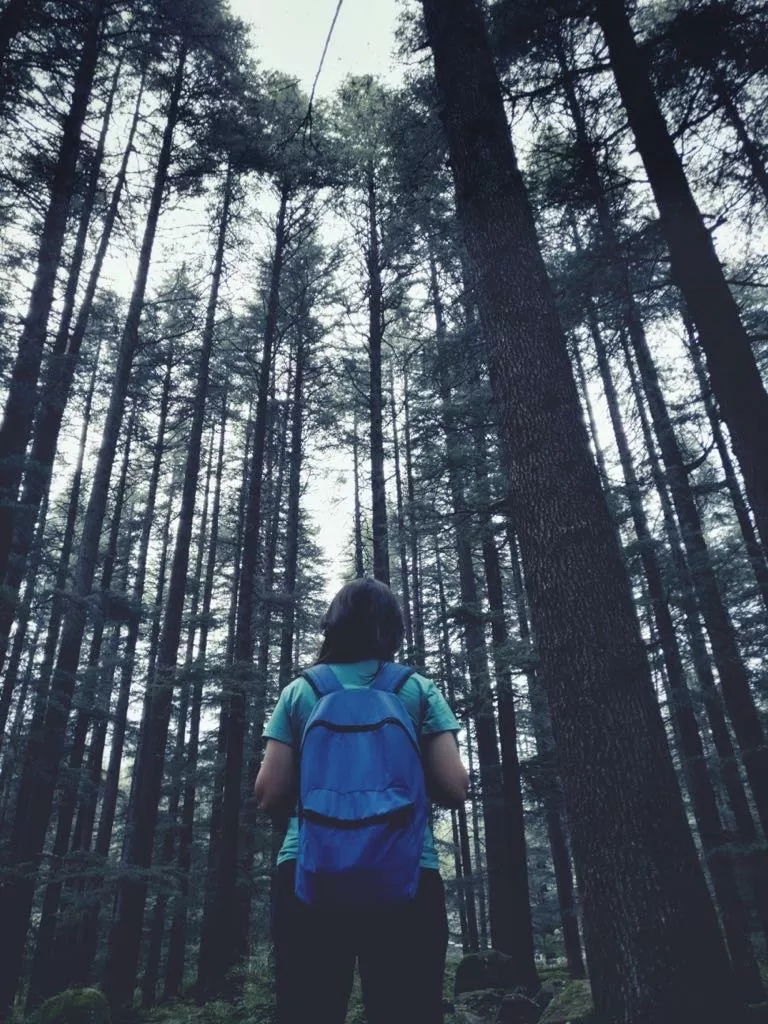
point(276, 781)
point(447, 778)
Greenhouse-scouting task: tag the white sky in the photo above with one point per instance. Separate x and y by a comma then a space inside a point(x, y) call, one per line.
point(289, 35)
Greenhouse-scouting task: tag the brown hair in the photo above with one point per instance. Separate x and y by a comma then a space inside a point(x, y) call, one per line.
point(363, 622)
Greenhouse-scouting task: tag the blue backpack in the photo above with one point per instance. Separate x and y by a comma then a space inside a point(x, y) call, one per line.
point(362, 799)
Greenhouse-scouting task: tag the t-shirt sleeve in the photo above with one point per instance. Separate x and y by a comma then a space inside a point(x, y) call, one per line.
point(279, 726)
point(438, 716)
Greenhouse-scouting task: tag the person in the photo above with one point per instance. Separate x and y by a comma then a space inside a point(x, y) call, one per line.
point(400, 949)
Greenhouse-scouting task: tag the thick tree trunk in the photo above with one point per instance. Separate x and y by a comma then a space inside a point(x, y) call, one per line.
point(125, 933)
point(645, 898)
point(733, 371)
point(21, 401)
point(379, 529)
point(218, 949)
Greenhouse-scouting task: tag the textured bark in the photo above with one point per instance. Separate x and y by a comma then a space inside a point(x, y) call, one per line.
point(733, 371)
point(21, 401)
point(379, 530)
point(645, 898)
point(125, 933)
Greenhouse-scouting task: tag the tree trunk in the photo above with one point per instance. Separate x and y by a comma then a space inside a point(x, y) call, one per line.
point(125, 933)
point(218, 950)
point(359, 561)
point(21, 401)
point(502, 850)
point(695, 770)
point(749, 147)
point(733, 674)
point(733, 371)
point(645, 898)
point(552, 792)
point(177, 941)
point(41, 767)
point(480, 866)
point(44, 981)
point(467, 876)
point(755, 552)
point(401, 547)
point(285, 671)
point(379, 530)
point(419, 650)
point(522, 923)
point(55, 394)
point(12, 21)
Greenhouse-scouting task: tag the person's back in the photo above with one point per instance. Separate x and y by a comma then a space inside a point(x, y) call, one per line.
point(400, 945)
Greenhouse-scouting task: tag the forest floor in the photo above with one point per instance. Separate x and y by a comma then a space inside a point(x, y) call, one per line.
point(257, 1005)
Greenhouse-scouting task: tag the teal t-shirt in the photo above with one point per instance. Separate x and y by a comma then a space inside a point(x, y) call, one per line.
point(427, 707)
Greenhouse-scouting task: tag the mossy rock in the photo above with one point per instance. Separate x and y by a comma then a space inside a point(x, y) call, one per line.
point(573, 1005)
point(484, 1003)
point(75, 1006)
point(490, 969)
point(518, 1009)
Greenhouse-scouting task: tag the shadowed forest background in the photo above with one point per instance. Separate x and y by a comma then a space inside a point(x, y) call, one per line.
point(527, 385)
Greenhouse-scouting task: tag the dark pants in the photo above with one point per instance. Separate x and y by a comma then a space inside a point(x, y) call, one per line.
point(400, 953)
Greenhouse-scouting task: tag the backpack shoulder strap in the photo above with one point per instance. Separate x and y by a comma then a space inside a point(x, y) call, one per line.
point(391, 677)
point(322, 680)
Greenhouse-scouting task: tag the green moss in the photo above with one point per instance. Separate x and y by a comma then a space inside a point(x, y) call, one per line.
point(573, 1004)
point(75, 1006)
